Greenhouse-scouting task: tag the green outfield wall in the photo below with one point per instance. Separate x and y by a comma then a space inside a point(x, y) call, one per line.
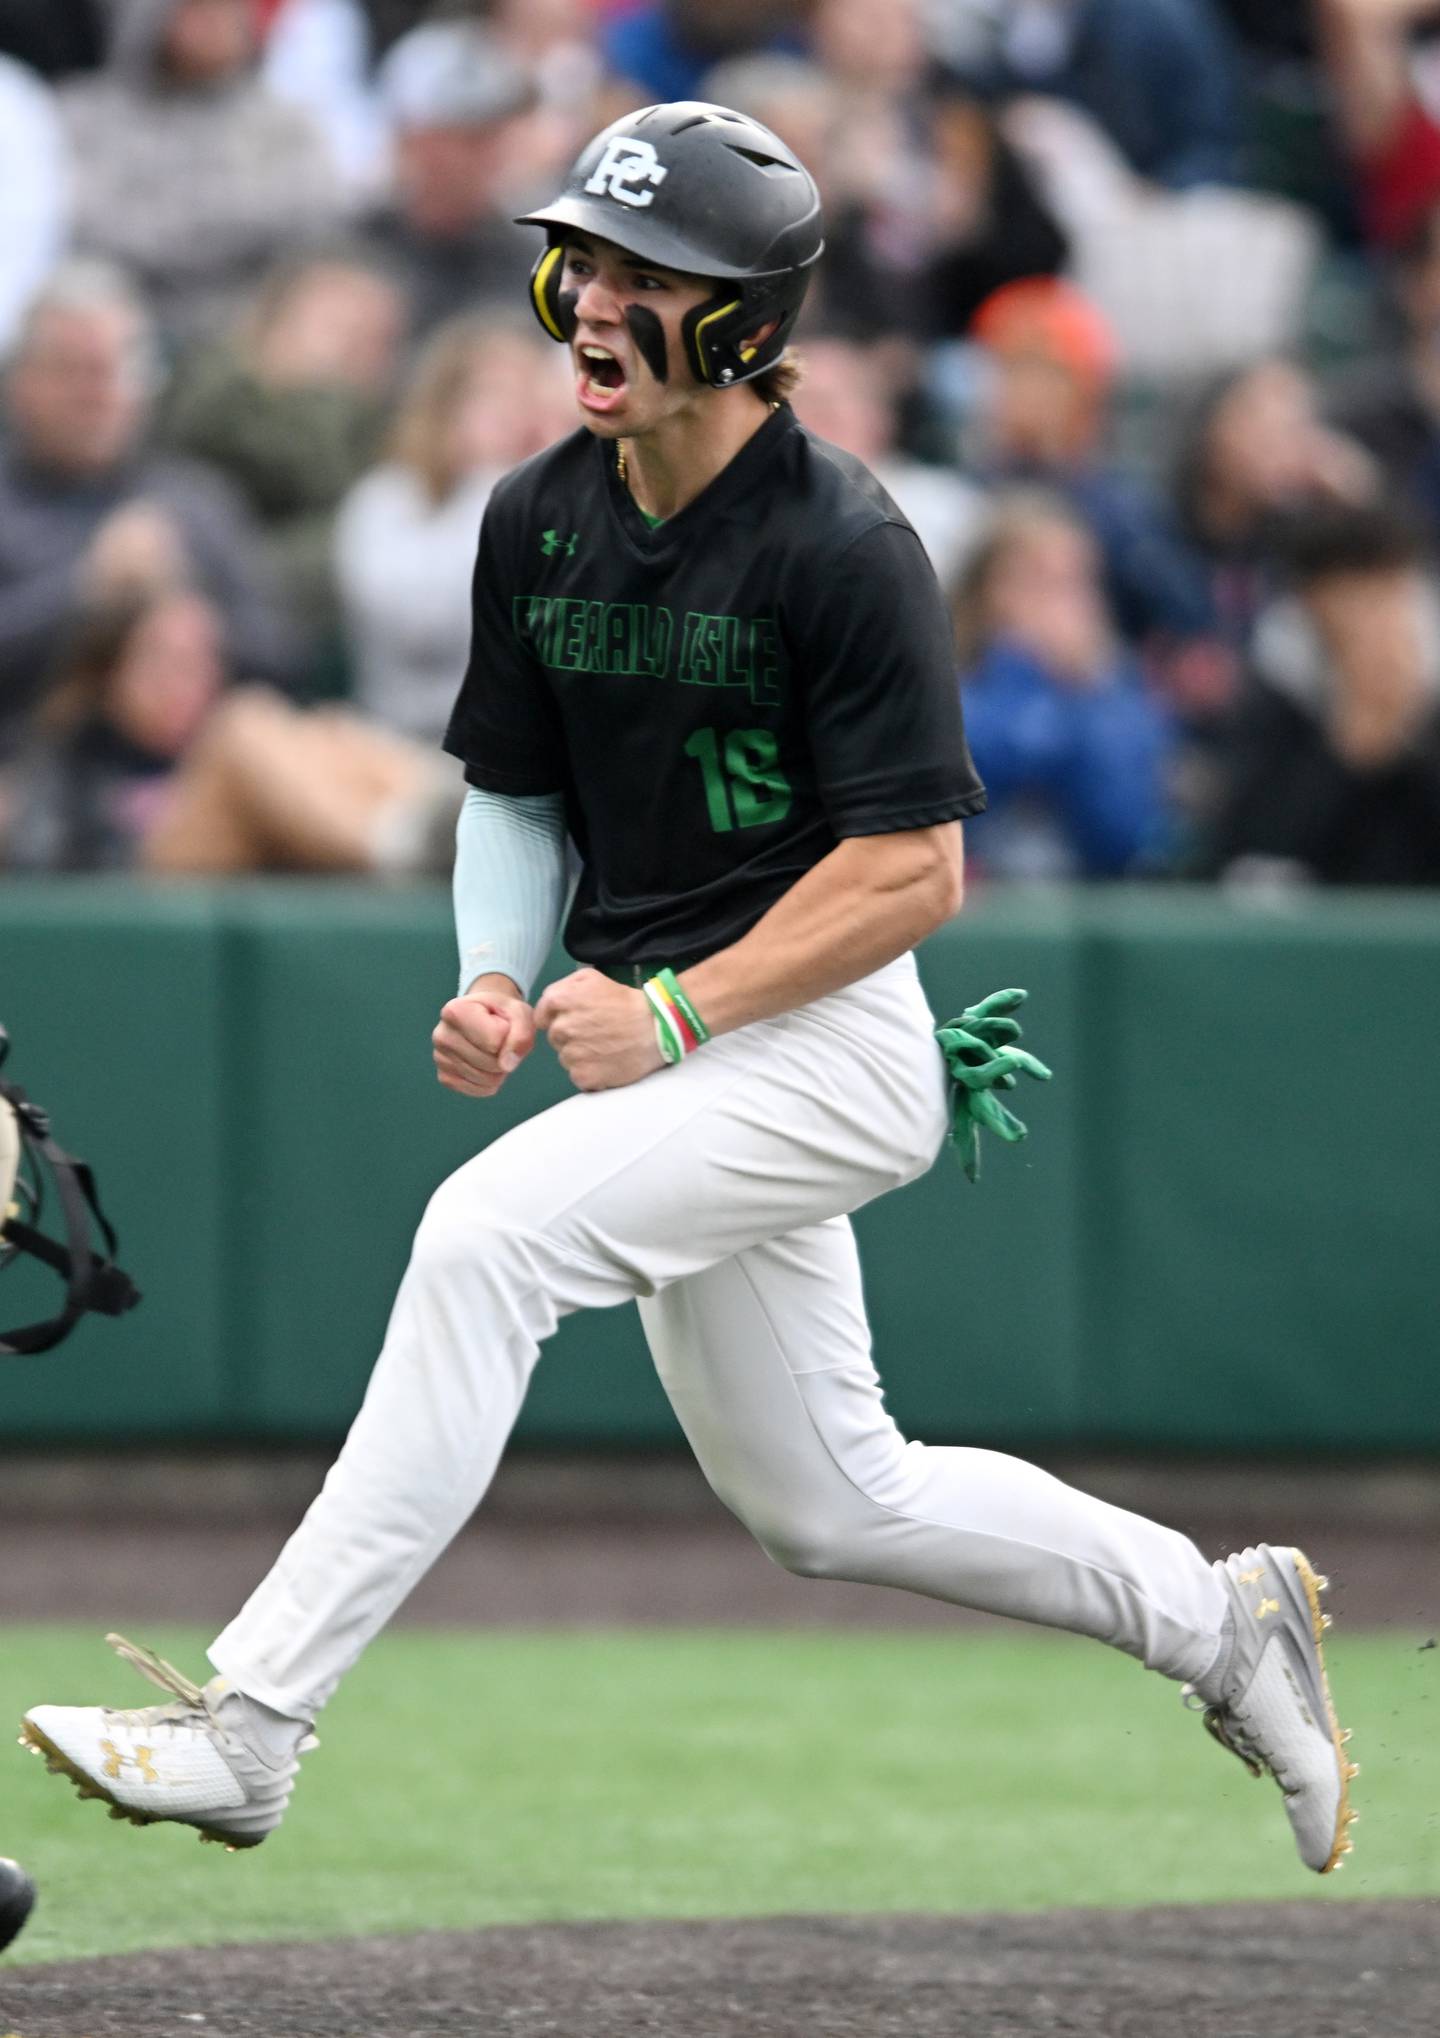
point(1224, 1232)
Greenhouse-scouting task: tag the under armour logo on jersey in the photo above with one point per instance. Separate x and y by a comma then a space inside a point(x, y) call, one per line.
point(626, 165)
point(551, 542)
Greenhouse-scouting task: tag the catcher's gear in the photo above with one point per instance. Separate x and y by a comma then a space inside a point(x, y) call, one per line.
point(982, 1057)
point(92, 1281)
point(698, 188)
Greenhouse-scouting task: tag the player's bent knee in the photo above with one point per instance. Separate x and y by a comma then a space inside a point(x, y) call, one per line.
point(802, 1556)
point(469, 1255)
point(809, 1549)
point(453, 1236)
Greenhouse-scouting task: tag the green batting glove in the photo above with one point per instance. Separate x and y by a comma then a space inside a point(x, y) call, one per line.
point(981, 1057)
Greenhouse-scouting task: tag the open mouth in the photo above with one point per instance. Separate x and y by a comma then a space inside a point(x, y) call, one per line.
point(602, 377)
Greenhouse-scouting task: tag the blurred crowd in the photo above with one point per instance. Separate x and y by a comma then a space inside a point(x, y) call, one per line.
point(1133, 306)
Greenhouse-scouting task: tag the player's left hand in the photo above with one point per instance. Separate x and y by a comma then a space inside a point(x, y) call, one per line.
point(603, 1032)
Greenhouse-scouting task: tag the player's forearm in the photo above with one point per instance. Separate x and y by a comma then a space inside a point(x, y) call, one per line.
point(510, 885)
point(871, 899)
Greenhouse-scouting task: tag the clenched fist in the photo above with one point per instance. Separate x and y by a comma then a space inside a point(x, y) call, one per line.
point(603, 1032)
point(482, 1037)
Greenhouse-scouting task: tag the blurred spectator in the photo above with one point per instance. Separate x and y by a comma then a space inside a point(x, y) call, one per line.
point(1192, 281)
point(992, 226)
point(880, 181)
point(34, 191)
point(318, 57)
point(1287, 109)
point(871, 52)
point(131, 691)
point(1334, 768)
point(664, 47)
point(291, 408)
point(143, 760)
point(555, 41)
point(1256, 450)
point(54, 37)
point(928, 209)
point(187, 169)
point(1043, 417)
point(1385, 114)
point(483, 396)
point(86, 508)
point(1158, 76)
point(1391, 402)
point(1072, 749)
point(847, 396)
point(456, 102)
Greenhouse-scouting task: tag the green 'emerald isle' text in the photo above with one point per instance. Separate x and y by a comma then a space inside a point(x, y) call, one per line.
point(637, 640)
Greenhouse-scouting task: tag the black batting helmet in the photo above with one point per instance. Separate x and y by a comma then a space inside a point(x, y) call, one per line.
point(700, 188)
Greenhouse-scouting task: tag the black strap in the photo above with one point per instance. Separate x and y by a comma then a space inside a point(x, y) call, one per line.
point(91, 1282)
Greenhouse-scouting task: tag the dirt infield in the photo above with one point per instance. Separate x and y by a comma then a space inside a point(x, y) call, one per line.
point(1254, 1971)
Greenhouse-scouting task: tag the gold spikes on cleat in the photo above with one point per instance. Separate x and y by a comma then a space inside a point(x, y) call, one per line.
point(1314, 1583)
point(86, 1786)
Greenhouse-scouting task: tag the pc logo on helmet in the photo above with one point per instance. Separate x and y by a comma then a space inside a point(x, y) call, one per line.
point(628, 162)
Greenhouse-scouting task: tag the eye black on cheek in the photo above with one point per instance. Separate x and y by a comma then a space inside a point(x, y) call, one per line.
point(649, 336)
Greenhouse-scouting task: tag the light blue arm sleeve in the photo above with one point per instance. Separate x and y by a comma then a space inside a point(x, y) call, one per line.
point(511, 882)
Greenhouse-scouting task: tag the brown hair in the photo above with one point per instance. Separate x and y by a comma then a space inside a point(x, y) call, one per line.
point(1344, 538)
point(88, 658)
point(779, 384)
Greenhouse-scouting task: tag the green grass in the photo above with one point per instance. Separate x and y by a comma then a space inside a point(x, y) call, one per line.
point(478, 1778)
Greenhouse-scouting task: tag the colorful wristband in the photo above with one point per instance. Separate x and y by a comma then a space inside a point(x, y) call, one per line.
point(679, 1029)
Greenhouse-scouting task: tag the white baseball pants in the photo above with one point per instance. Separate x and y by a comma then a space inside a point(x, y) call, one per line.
point(715, 1193)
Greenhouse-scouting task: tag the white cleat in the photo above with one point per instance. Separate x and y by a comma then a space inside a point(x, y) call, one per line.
point(1268, 1700)
point(191, 1762)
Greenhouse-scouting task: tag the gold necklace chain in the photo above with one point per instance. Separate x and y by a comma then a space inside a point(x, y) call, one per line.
point(620, 466)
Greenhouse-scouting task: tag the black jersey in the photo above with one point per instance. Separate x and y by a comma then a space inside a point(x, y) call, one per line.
point(720, 697)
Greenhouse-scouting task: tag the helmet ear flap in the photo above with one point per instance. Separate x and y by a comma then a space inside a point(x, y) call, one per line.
point(554, 308)
point(717, 333)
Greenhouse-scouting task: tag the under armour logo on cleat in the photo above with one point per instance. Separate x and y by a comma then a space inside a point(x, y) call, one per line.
point(1250, 1577)
point(115, 1763)
point(1267, 1606)
point(551, 542)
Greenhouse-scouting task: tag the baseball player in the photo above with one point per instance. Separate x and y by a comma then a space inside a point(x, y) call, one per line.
point(711, 663)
